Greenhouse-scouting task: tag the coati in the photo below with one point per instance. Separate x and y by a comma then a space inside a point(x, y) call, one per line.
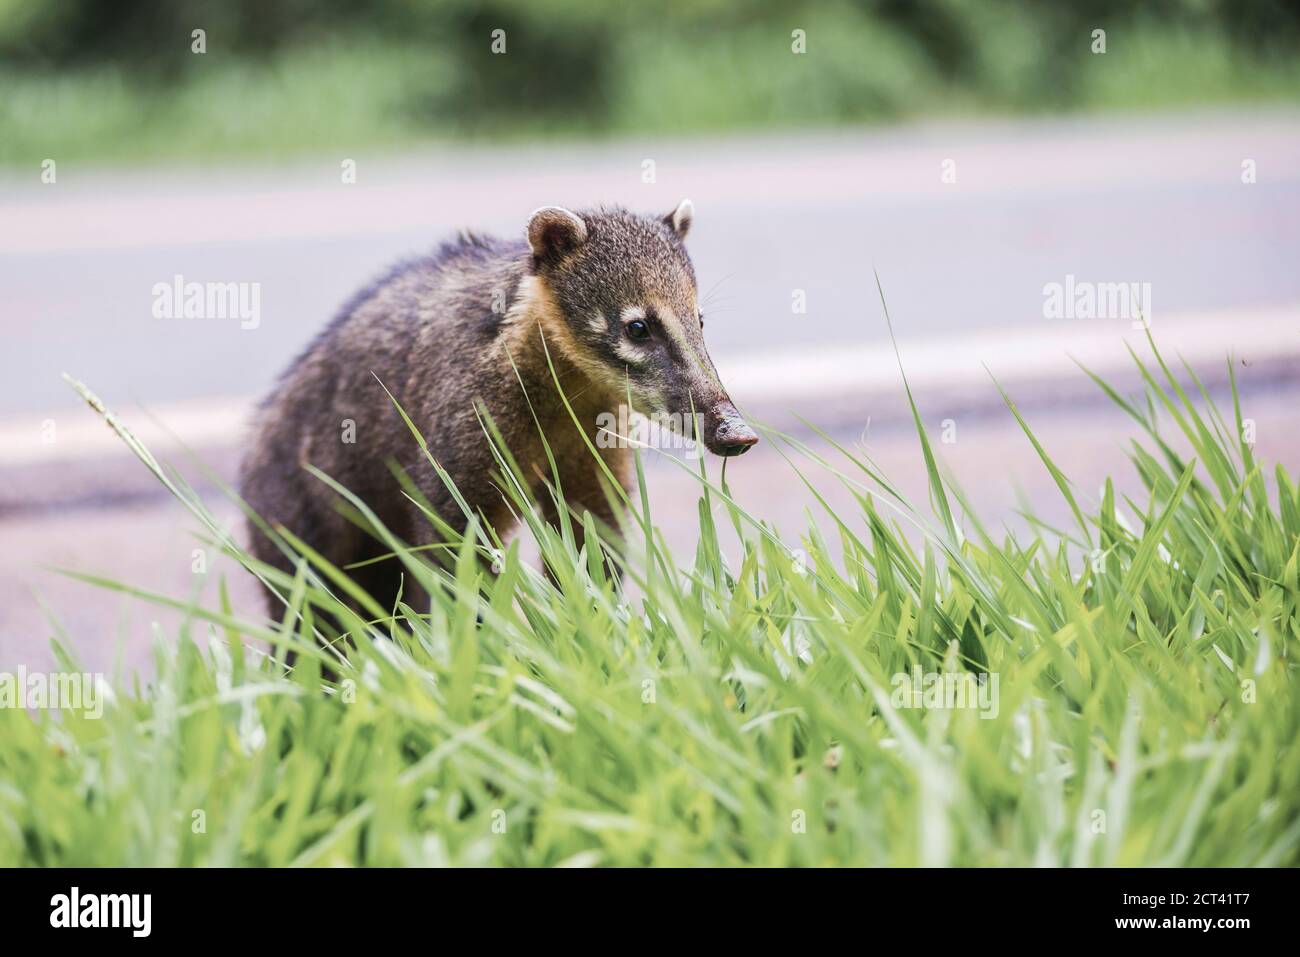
point(609, 295)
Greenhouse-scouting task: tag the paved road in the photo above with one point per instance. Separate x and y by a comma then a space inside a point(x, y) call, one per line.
point(1158, 201)
point(149, 543)
point(963, 264)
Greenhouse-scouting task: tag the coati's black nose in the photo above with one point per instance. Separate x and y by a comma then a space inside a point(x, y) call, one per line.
point(733, 437)
point(738, 448)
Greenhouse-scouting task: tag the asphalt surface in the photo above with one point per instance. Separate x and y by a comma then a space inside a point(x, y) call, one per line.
point(1150, 200)
point(1158, 201)
point(149, 542)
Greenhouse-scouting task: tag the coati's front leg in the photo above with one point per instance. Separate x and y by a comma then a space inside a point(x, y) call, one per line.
point(585, 489)
point(440, 548)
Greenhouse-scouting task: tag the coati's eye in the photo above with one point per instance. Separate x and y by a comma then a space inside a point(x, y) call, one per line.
point(638, 329)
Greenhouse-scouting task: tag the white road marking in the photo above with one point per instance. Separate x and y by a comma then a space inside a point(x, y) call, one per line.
point(1017, 355)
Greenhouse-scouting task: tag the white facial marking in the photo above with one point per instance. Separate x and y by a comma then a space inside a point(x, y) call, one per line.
point(632, 312)
point(631, 354)
point(668, 322)
point(598, 323)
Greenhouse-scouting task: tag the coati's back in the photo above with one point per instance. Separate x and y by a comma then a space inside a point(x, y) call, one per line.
point(602, 303)
point(425, 324)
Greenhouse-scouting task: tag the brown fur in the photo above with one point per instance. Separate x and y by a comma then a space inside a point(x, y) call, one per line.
point(430, 333)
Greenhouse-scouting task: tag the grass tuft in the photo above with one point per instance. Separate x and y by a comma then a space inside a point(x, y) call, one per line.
point(729, 710)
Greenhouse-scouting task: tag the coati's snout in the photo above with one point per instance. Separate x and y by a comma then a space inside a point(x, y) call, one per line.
point(725, 432)
point(629, 316)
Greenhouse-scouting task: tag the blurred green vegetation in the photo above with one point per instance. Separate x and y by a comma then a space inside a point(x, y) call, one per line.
point(107, 80)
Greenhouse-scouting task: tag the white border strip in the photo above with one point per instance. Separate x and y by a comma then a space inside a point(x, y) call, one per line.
point(1037, 353)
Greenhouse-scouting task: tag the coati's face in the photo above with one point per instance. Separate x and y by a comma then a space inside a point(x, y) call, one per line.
point(630, 317)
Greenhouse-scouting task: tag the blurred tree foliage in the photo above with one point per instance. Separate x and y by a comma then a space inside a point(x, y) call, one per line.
point(571, 58)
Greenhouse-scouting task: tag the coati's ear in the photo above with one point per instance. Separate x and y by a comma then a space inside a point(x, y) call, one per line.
point(679, 220)
point(554, 232)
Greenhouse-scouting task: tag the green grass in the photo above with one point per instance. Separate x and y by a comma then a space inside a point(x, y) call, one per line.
point(352, 96)
point(737, 711)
